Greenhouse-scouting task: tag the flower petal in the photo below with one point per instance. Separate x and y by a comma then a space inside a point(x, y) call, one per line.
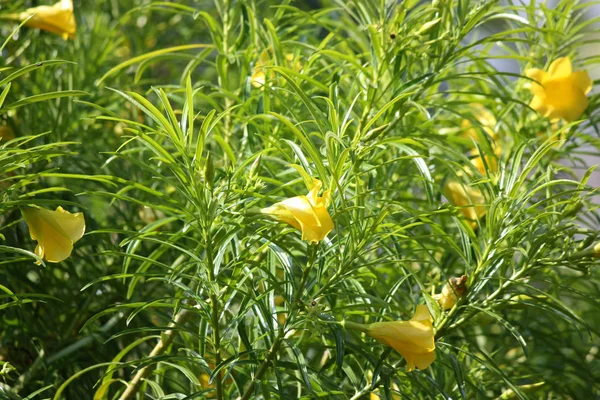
point(582, 80)
point(576, 109)
point(280, 212)
point(422, 314)
point(55, 231)
point(58, 18)
point(536, 74)
point(306, 213)
point(421, 361)
point(470, 200)
point(313, 194)
point(539, 77)
point(73, 225)
point(560, 68)
point(538, 104)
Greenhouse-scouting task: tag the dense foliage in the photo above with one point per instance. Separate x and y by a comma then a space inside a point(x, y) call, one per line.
point(175, 127)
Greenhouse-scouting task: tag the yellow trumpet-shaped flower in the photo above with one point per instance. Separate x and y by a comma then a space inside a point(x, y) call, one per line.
point(485, 118)
point(487, 121)
point(490, 160)
point(560, 92)
point(307, 213)
point(259, 73)
point(55, 231)
point(413, 339)
point(453, 290)
point(57, 18)
point(469, 199)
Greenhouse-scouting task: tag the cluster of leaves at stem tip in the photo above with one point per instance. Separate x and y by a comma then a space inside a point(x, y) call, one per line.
point(298, 199)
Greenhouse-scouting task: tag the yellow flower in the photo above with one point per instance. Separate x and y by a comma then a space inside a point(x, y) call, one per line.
point(6, 133)
point(413, 339)
point(58, 18)
point(307, 213)
point(485, 118)
point(451, 292)
point(259, 73)
point(560, 92)
point(55, 231)
point(469, 199)
point(490, 160)
point(487, 121)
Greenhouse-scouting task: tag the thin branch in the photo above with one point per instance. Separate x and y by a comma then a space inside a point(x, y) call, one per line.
point(166, 339)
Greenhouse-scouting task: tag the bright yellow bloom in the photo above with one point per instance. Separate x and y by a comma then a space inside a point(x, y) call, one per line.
point(58, 18)
point(487, 121)
point(451, 292)
point(490, 160)
point(55, 231)
point(259, 73)
point(413, 339)
point(469, 199)
point(485, 118)
point(6, 133)
point(307, 213)
point(560, 92)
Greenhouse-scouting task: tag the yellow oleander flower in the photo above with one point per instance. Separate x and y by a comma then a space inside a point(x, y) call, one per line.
point(560, 92)
point(6, 133)
point(484, 117)
point(488, 122)
point(259, 73)
point(55, 231)
point(413, 339)
point(307, 213)
point(453, 290)
point(490, 160)
point(58, 18)
point(259, 76)
point(469, 199)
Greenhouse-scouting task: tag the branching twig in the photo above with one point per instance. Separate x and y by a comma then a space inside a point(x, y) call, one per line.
point(164, 342)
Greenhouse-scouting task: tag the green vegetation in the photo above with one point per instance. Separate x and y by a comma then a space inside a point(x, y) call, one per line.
point(170, 126)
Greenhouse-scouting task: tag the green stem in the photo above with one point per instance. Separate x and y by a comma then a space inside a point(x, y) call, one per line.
point(355, 326)
point(165, 341)
point(264, 366)
point(215, 310)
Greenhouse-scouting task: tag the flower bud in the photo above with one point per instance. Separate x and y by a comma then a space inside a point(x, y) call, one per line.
point(596, 250)
point(209, 172)
point(453, 290)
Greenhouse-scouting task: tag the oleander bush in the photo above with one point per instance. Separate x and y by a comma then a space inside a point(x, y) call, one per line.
point(256, 199)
